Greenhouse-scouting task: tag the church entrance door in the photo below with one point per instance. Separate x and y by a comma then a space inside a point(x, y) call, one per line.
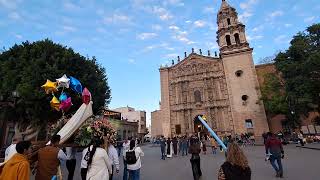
point(199, 127)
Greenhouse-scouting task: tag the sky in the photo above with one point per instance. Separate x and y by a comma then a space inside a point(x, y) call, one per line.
point(133, 38)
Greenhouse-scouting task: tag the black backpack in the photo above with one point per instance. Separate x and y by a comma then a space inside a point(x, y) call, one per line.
point(131, 157)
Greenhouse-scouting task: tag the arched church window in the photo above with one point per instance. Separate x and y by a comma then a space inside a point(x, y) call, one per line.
point(237, 38)
point(228, 21)
point(228, 40)
point(197, 96)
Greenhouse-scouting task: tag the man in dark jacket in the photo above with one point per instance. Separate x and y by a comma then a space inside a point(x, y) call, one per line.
point(275, 150)
point(163, 148)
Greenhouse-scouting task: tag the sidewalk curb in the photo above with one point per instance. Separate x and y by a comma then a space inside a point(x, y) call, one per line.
point(309, 148)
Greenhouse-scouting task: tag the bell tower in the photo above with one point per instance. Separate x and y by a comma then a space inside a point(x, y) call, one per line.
point(248, 113)
point(231, 35)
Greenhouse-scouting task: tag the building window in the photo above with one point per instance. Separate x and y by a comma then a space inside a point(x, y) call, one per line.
point(197, 96)
point(249, 124)
point(229, 22)
point(178, 129)
point(244, 98)
point(239, 73)
point(228, 40)
point(237, 38)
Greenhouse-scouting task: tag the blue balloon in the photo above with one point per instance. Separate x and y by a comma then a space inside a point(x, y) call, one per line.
point(54, 177)
point(75, 85)
point(63, 97)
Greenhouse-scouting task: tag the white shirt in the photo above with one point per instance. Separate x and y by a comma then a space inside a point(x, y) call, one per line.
point(84, 163)
point(125, 146)
point(100, 167)
point(62, 156)
point(10, 151)
point(113, 155)
point(71, 153)
point(139, 153)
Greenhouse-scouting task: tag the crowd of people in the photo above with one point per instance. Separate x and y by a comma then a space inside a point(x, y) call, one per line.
point(100, 160)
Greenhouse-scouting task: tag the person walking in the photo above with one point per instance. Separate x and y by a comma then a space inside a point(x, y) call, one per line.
point(113, 156)
point(133, 157)
point(274, 148)
point(163, 148)
point(49, 159)
point(71, 161)
point(195, 150)
point(204, 146)
point(175, 146)
point(300, 137)
point(84, 161)
point(180, 142)
point(236, 166)
point(169, 148)
point(125, 145)
point(18, 166)
point(213, 145)
point(119, 146)
point(99, 164)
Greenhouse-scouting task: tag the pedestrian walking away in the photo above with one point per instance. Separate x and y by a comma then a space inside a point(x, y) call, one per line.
point(133, 158)
point(71, 161)
point(163, 148)
point(274, 148)
point(113, 156)
point(236, 166)
point(195, 150)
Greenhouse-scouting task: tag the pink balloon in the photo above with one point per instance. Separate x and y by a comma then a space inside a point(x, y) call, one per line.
point(65, 105)
point(86, 96)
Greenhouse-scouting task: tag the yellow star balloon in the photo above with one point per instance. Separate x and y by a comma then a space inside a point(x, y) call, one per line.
point(50, 86)
point(55, 103)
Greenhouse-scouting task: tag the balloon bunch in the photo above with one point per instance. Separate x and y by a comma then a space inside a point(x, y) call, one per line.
point(64, 102)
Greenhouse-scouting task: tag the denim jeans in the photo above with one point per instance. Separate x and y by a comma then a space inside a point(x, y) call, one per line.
point(184, 150)
point(163, 153)
point(134, 174)
point(125, 170)
point(214, 150)
point(277, 167)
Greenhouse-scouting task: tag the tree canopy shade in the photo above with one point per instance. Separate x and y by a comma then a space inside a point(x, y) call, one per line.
point(25, 67)
point(300, 69)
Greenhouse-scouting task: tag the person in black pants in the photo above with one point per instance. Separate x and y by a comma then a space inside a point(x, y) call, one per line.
point(71, 162)
point(195, 150)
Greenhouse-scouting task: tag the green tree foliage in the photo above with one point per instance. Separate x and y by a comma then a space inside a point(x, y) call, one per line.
point(26, 67)
point(300, 69)
point(273, 95)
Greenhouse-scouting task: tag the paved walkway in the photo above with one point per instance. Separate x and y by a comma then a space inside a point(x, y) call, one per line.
point(299, 164)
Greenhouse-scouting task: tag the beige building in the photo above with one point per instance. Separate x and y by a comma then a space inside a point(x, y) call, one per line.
point(131, 115)
point(225, 89)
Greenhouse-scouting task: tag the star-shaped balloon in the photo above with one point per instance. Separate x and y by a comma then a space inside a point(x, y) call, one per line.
point(50, 86)
point(54, 103)
point(65, 105)
point(86, 96)
point(64, 81)
point(75, 85)
point(63, 97)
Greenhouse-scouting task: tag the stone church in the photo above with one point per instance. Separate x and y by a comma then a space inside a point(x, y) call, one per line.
point(224, 88)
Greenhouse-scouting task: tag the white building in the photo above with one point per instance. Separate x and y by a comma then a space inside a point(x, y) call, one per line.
point(131, 115)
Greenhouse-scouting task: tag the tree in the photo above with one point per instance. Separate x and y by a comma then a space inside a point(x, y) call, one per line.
point(300, 69)
point(25, 67)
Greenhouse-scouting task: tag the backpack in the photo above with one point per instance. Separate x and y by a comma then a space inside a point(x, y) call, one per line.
point(131, 157)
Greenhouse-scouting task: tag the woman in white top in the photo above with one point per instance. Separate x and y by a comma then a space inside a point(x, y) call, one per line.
point(134, 167)
point(99, 164)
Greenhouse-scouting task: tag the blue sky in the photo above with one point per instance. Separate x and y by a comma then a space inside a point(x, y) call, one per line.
point(132, 38)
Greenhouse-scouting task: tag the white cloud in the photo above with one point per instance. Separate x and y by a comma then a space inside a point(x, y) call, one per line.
point(309, 19)
point(173, 2)
point(18, 36)
point(117, 18)
point(199, 23)
point(287, 25)
point(131, 61)
point(209, 10)
point(101, 30)
point(183, 38)
point(161, 45)
point(144, 36)
point(156, 27)
point(176, 28)
point(14, 16)
point(10, 4)
point(248, 5)
point(212, 45)
point(172, 55)
point(251, 38)
point(69, 28)
point(258, 28)
point(188, 21)
point(245, 16)
point(276, 13)
point(260, 46)
point(71, 6)
point(163, 13)
point(282, 39)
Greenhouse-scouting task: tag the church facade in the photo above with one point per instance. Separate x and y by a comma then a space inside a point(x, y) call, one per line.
point(223, 88)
